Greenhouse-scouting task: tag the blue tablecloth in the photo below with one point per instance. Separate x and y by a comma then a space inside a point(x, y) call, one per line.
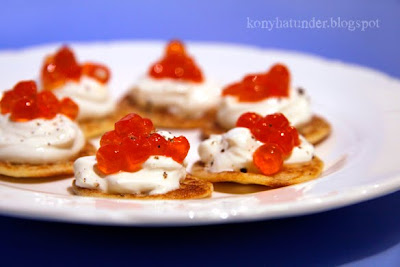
point(366, 234)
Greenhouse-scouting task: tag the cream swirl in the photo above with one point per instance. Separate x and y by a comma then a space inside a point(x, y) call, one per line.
point(296, 108)
point(185, 99)
point(91, 96)
point(158, 175)
point(234, 150)
point(39, 141)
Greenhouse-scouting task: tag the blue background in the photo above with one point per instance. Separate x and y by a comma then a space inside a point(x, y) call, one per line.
point(366, 234)
point(26, 23)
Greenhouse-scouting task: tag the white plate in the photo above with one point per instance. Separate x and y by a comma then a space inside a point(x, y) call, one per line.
point(360, 155)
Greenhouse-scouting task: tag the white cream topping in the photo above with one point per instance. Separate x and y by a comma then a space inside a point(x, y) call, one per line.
point(91, 96)
point(39, 141)
point(186, 99)
point(234, 150)
point(296, 108)
point(167, 135)
point(158, 175)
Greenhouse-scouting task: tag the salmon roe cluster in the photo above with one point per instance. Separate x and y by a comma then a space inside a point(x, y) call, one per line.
point(256, 87)
point(176, 64)
point(278, 136)
point(25, 103)
point(132, 142)
point(62, 67)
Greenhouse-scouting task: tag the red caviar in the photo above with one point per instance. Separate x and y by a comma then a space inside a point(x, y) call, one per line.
point(256, 87)
point(69, 108)
point(268, 158)
point(176, 64)
point(132, 142)
point(63, 66)
point(279, 137)
point(96, 71)
point(25, 103)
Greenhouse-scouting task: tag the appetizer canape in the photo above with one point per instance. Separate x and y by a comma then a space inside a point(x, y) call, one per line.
point(174, 93)
point(86, 84)
point(267, 93)
point(38, 137)
point(259, 150)
point(134, 161)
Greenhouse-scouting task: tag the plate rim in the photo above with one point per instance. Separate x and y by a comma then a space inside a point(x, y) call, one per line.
point(364, 193)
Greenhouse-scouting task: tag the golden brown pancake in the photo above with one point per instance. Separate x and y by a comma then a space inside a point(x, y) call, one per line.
point(24, 170)
point(161, 117)
point(315, 131)
point(190, 188)
point(289, 175)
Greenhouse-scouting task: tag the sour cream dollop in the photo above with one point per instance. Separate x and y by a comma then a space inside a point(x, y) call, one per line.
point(91, 96)
point(186, 99)
point(158, 175)
point(296, 108)
point(39, 141)
point(234, 150)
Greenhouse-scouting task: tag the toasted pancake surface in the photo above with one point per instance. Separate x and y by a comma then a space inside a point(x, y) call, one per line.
point(315, 131)
point(289, 175)
point(162, 118)
point(190, 188)
point(24, 170)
